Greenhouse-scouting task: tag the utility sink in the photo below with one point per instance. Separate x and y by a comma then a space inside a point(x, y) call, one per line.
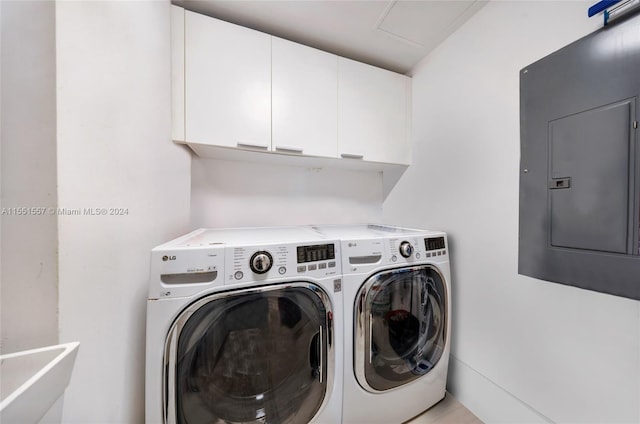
point(32, 381)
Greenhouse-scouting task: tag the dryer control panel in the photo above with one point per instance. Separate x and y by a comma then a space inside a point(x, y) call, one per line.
point(411, 249)
point(435, 246)
point(363, 254)
point(282, 261)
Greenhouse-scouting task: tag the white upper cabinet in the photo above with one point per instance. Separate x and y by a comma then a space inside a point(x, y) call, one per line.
point(373, 113)
point(236, 89)
point(227, 84)
point(304, 99)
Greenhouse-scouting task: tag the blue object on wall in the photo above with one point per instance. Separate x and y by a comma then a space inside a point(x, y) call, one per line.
point(601, 5)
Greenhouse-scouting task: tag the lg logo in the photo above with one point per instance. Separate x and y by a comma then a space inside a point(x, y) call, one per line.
point(168, 258)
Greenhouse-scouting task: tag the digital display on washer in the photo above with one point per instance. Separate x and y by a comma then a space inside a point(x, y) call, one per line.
point(434, 243)
point(319, 252)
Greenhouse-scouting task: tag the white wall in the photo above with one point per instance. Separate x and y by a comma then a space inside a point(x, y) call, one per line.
point(523, 350)
point(28, 284)
point(231, 194)
point(114, 151)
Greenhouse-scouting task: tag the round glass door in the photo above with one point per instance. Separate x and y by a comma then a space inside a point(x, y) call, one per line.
point(400, 326)
point(253, 356)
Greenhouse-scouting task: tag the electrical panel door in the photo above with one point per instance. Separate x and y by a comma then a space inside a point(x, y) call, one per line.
point(580, 163)
point(589, 179)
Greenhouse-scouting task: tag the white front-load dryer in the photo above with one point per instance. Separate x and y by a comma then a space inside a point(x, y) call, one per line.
point(396, 286)
point(245, 326)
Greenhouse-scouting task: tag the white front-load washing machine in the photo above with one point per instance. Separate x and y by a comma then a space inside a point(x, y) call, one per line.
point(245, 326)
point(396, 287)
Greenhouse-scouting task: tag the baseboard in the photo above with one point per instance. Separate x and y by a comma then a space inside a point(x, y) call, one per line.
point(487, 400)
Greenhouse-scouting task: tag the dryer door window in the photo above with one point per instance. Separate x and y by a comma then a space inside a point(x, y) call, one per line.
point(400, 327)
point(250, 356)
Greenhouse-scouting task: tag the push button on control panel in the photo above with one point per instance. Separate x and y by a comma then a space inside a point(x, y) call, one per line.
point(238, 275)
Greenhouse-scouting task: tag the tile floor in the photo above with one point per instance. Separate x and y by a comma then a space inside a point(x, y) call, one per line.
point(447, 411)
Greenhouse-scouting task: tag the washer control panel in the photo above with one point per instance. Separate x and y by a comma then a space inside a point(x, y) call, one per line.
point(266, 262)
point(178, 272)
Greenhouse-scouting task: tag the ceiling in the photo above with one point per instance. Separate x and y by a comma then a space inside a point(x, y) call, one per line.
point(391, 34)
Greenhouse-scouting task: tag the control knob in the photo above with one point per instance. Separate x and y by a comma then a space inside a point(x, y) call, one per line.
point(261, 262)
point(406, 249)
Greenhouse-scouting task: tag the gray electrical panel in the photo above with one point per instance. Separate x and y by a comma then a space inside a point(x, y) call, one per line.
point(580, 163)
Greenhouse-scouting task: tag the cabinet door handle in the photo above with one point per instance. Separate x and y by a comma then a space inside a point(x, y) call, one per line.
point(287, 149)
point(351, 156)
point(253, 146)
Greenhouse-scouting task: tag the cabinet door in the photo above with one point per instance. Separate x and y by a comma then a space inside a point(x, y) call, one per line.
point(305, 99)
point(372, 113)
point(228, 84)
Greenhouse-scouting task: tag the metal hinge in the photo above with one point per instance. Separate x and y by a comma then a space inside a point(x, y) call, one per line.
point(635, 124)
